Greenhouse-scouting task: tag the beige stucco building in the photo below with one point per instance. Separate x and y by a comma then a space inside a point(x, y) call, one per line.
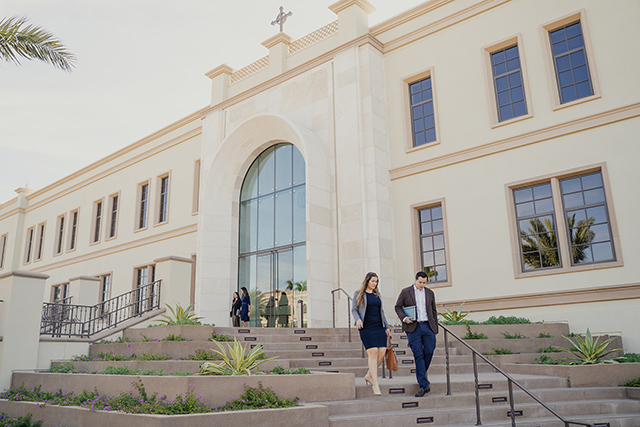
point(491, 143)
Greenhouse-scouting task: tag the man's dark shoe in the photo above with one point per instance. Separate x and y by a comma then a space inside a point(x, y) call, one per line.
point(423, 391)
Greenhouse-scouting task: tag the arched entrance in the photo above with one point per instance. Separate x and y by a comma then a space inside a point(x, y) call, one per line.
point(272, 238)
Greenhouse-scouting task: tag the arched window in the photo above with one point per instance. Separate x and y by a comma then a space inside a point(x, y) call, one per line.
point(272, 240)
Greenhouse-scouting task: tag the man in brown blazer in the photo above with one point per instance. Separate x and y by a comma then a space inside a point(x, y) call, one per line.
point(422, 331)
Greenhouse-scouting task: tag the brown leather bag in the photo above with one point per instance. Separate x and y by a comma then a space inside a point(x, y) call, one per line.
point(390, 358)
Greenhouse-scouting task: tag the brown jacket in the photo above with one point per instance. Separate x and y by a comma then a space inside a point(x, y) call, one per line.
point(407, 298)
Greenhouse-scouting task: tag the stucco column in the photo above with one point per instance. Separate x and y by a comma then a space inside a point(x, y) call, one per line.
point(175, 273)
point(278, 46)
point(85, 290)
point(20, 311)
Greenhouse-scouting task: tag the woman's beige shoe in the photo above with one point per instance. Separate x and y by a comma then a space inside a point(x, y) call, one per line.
point(367, 380)
point(374, 391)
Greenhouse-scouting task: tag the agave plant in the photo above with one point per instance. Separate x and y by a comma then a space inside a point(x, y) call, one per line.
point(234, 360)
point(453, 317)
point(588, 351)
point(181, 316)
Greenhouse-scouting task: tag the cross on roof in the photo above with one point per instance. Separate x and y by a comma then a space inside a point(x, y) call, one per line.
point(281, 18)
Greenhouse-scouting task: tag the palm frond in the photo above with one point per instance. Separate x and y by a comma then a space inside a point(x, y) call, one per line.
point(18, 39)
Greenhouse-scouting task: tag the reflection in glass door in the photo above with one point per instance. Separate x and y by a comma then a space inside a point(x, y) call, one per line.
point(272, 239)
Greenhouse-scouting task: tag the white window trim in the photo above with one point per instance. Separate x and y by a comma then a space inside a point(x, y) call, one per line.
point(42, 228)
point(28, 246)
point(92, 233)
point(58, 238)
point(136, 222)
point(70, 235)
point(107, 229)
point(156, 219)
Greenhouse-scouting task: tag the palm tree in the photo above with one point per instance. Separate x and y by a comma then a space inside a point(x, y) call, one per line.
point(297, 286)
point(19, 39)
point(546, 244)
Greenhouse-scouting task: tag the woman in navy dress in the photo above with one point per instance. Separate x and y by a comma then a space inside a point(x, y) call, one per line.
point(245, 308)
point(373, 326)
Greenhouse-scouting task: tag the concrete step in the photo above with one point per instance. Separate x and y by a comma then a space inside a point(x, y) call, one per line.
point(463, 415)
point(403, 370)
point(608, 420)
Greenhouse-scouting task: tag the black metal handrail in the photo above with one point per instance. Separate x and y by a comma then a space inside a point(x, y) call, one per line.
point(82, 321)
point(511, 381)
point(333, 303)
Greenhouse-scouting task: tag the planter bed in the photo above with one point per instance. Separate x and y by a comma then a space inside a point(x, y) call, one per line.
point(601, 375)
point(70, 416)
point(215, 390)
point(531, 330)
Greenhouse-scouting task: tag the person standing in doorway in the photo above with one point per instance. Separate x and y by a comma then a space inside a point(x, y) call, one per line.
point(422, 330)
point(245, 307)
point(373, 326)
point(235, 310)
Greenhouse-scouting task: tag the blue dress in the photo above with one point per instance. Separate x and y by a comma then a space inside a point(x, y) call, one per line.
point(372, 333)
point(244, 308)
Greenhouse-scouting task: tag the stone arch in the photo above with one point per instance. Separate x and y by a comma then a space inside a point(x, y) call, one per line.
point(217, 270)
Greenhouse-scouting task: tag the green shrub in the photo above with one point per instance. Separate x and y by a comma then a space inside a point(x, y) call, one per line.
point(258, 398)
point(180, 316)
point(172, 337)
point(125, 370)
point(544, 360)
point(150, 356)
point(588, 351)
point(182, 374)
point(502, 320)
point(203, 355)
point(632, 383)
point(63, 368)
point(544, 335)
point(279, 370)
point(502, 351)
point(455, 317)
point(118, 340)
point(220, 337)
point(516, 336)
point(18, 421)
point(550, 349)
point(474, 335)
point(234, 360)
point(630, 358)
point(100, 357)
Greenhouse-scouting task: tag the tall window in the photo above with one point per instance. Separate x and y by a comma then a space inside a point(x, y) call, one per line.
point(74, 230)
point(40, 242)
point(3, 249)
point(434, 262)
point(59, 235)
point(61, 293)
point(570, 62)
point(164, 199)
point(537, 227)
point(422, 115)
point(144, 276)
point(586, 222)
point(144, 205)
point(507, 79)
point(272, 241)
point(28, 245)
point(97, 220)
point(113, 223)
point(105, 291)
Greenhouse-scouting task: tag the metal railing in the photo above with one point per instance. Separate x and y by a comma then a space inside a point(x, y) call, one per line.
point(82, 321)
point(333, 303)
point(510, 380)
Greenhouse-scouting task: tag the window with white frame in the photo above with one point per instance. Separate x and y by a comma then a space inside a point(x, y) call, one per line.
point(61, 293)
point(105, 293)
point(59, 235)
point(143, 276)
point(73, 230)
point(163, 201)
point(40, 242)
point(570, 62)
point(423, 122)
point(143, 205)
point(432, 243)
point(113, 216)
point(28, 245)
point(96, 221)
point(508, 83)
point(3, 249)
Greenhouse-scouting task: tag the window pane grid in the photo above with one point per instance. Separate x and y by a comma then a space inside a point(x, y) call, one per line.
point(60, 234)
point(74, 228)
point(422, 115)
point(114, 216)
point(164, 196)
point(432, 246)
point(143, 206)
point(507, 79)
point(96, 231)
point(40, 241)
point(536, 227)
point(587, 221)
point(570, 61)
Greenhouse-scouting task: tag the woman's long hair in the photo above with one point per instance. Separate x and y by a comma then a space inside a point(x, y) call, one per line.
point(244, 291)
point(363, 288)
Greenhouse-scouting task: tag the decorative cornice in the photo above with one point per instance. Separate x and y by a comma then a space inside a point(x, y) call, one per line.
point(24, 273)
point(164, 131)
point(341, 5)
point(546, 299)
point(407, 16)
point(175, 141)
point(120, 248)
point(220, 69)
point(12, 212)
point(8, 203)
point(319, 60)
point(533, 137)
point(441, 24)
point(21, 190)
point(278, 38)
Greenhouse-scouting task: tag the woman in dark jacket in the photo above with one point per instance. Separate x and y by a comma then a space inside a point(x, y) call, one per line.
point(373, 326)
point(245, 308)
point(235, 310)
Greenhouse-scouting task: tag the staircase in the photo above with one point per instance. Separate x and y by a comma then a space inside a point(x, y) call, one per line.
point(329, 350)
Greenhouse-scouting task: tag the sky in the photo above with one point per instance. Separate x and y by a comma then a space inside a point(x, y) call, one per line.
point(140, 67)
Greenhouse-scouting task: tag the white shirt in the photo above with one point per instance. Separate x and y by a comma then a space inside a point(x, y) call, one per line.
point(421, 304)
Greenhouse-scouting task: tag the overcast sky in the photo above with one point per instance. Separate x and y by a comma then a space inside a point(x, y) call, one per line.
point(140, 67)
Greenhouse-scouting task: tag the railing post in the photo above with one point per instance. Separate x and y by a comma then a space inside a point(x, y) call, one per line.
point(446, 352)
point(513, 415)
point(333, 307)
point(475, 376)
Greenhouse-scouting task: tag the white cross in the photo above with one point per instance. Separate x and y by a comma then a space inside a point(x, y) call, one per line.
point(281, 18)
